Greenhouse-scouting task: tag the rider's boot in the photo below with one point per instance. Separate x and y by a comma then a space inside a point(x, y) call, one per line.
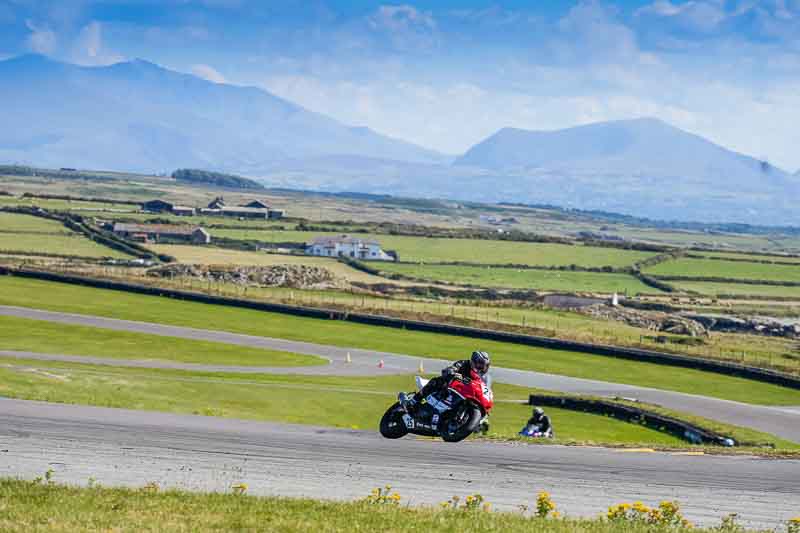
point(409, 402)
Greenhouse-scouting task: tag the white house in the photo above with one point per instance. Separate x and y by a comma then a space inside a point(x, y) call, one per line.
point(347, 246)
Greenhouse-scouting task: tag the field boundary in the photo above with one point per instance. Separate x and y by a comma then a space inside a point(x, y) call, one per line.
point(650, 356)
point(742, 260)
point(634, 415)
point(77, 224)
point(739, 281)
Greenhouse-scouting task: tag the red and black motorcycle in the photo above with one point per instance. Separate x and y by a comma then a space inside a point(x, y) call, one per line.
point(453, 413)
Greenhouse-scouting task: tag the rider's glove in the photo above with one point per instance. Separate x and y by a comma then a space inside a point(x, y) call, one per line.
point(448, 372)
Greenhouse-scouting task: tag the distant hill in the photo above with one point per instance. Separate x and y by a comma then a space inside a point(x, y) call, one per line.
point(643, 166)
point(218, 179)
point(138, 116)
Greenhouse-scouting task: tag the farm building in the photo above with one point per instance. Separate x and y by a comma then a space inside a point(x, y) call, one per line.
point(347, 246)
point(238, 212)
point(157, 206)
point(157, 232)
point(256, 204)
point(183, 210)
point(217, 203)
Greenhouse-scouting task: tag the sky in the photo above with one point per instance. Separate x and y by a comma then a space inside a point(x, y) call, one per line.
point(446, 74)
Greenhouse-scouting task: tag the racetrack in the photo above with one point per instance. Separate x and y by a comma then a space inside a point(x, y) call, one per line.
point(781, 421)
point(121, 447)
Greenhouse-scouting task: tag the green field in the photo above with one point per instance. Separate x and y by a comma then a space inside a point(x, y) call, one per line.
point(726, 269)
point(36, 235)
point(549, 280)
point(59, 244)
point(750, 257)
point(75, 299)
point(737, 289)
point(51, 337)
point(67, 205)
point(438, 250)
point(16, 223)
point(770, 352)
point(49, 506)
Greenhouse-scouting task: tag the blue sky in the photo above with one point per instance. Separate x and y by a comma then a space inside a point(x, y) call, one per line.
point(447, 73)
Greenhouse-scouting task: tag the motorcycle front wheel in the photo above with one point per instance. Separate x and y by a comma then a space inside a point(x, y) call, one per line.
point(392, 425)
point(460, 423)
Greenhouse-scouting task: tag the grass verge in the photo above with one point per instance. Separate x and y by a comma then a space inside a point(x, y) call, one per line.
point(317, 400)
point(116, 304)
point(31, 506)
point(21, 334)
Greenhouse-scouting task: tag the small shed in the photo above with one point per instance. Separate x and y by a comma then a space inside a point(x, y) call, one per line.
point(182, 210)
point(256, 204)
point(157, 206)
point(217, 203)
point(157, 232)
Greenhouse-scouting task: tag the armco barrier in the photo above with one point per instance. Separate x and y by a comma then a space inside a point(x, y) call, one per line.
point(650, 356)
point(679, 428)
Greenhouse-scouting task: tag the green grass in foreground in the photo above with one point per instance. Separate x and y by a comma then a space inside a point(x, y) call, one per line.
point(31, 506)
point(551, 280)
point(726, 269)
point(117, 304)
point(344, 402)
point(20, 334)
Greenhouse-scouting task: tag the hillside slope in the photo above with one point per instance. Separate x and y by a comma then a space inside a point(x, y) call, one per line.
point(641, 166)
point(141, 117)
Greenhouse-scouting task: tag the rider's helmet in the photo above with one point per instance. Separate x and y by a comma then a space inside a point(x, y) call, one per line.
point(538, 412)
point(480, 362)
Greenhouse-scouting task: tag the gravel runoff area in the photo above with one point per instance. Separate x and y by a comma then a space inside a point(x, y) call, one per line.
point(133, 448)
point(781, 421)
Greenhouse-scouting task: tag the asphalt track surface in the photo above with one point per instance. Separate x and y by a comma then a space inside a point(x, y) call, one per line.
point(132, 448)
point(781, 421)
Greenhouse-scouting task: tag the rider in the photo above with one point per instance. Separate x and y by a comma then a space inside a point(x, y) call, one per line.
point(479, 362)
point(541, 420)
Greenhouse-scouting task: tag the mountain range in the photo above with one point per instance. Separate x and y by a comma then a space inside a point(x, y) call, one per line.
point(138, 116)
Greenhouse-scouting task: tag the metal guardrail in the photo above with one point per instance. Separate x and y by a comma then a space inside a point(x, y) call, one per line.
point(684, 430)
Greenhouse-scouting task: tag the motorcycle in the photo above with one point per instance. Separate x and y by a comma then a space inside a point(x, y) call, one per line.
point(454, 413)
point(534, 431)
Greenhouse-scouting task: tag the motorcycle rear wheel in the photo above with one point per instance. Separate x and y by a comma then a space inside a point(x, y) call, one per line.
point(392, 425)
point(452, 431)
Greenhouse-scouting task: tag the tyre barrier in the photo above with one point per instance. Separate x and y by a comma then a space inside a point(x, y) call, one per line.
point(634, 354)
point(635, 415)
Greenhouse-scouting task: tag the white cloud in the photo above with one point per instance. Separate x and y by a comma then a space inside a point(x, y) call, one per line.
point(407, 28)
point(208, 73)
point(696, 15)
point(88, 47)
point(91, 39)
point(42, 39)
point(591, 31)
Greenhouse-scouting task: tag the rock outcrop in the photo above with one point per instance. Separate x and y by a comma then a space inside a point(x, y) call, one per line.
point(295, 276)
